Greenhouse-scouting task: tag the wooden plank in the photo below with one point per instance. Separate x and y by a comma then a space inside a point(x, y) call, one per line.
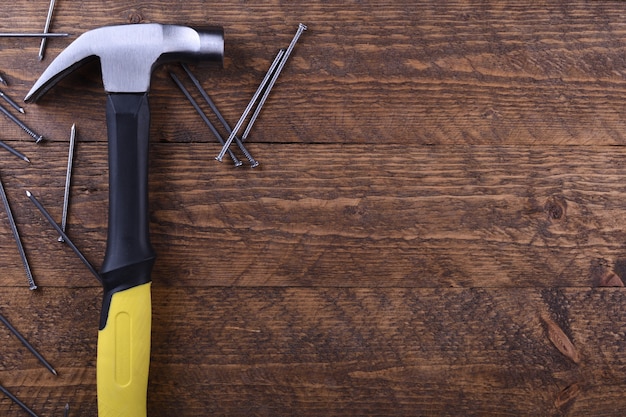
point(439, 195)
point(321, 215)
point(338, 351)
point(455, 74)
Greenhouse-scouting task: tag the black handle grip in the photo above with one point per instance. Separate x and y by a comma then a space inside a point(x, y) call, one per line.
point(129, 255)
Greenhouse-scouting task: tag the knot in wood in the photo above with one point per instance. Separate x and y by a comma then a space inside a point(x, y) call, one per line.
point(135, 17)
point(610, 279)
point(555, 207)
point(567, 395)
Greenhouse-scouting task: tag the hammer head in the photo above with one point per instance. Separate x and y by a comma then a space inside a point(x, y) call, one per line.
point(129, 53)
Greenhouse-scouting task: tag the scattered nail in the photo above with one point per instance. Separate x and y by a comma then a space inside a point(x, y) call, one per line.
point(18, 402)
point(14, 152)
point(11, 102)
point(16, 235)
point(270, 83)
point(283, 61)
point(66, 239)
point(253, 162)
point(195, 105)
point(33, 35)
point(46, 29)
point(68, 178)
point(28, 345)
point(38, 138)
point(253, 100)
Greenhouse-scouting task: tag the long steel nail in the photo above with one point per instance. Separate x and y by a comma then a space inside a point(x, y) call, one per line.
point(28, 345)
point(301, 28)
point(14, 152)
point(249, 107)
point(68, 178)
point(46, 28)
point(11, 102)
point(203, 116)
point(253, 162)
point(67, 410)
point(38, 138)
point(16, 235)
point(66, 239)
point(206, 97)
point(33, 35)
point(17, 401)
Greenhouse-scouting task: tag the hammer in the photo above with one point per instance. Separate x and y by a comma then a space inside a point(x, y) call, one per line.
point(128, 54)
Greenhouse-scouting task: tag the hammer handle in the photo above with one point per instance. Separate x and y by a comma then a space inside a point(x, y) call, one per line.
point(124, 336)
point(124, 354)
point(128, 237)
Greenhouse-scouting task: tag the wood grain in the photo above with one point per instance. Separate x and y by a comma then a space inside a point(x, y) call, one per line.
point(436, 227)
point(479, 217)
point(271, 351)
point(389, 72)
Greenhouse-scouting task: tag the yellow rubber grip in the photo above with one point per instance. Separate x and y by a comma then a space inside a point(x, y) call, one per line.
point(124, 354)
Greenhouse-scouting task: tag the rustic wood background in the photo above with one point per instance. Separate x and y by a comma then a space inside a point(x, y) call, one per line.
point(437, 227)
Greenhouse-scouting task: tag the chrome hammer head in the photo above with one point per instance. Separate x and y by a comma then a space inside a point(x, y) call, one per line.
point(129, 53)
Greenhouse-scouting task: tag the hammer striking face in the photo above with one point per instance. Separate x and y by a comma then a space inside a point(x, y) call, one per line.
point(128, 54)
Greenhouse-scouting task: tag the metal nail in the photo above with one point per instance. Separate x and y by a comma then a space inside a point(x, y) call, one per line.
point(14, 152)
point(46, 28)
point(68, 178)
point(250, 104)
point(28, 345)
point(33, 35)
point(301, 28)
point(11, 102)
point(67, 410)
point(17, 401)
point(203, 116)
point(253, 162)
point(66, 239)
point(206, 97)
point(16, 235)
point(38, 138)
point(283, 60)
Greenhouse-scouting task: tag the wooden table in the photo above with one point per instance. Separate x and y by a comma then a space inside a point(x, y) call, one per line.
point(437, 227)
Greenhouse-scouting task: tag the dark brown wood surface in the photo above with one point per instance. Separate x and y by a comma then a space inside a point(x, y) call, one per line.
point(437, 227)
